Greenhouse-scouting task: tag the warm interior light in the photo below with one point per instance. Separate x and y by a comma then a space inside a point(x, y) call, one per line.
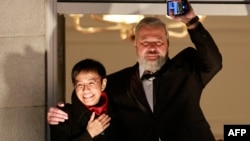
point(126, 24)
point(128, 19)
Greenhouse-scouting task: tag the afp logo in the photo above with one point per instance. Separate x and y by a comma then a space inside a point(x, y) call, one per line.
point(236, 132)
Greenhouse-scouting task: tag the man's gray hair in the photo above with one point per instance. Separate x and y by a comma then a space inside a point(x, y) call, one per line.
point(150, 22)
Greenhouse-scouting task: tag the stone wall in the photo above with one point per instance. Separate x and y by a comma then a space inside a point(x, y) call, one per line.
point(22, 70)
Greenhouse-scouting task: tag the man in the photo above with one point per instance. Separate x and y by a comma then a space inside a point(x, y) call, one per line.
point(164, 106)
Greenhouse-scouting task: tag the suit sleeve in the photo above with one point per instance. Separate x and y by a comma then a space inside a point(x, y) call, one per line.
point(64, 131)
point(59, 132)
point(209, 56)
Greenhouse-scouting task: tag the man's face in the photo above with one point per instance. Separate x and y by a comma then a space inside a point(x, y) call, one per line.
point(151, 47)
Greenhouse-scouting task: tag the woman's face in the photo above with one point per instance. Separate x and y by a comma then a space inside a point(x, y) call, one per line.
point(89, 87)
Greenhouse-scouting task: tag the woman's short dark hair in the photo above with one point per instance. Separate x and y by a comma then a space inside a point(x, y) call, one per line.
point(88, 65)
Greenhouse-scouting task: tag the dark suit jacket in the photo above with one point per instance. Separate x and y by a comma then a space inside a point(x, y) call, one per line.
point(177, 115)
point(74, 129)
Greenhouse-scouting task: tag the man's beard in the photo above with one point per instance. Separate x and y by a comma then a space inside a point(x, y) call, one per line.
point(152, 66)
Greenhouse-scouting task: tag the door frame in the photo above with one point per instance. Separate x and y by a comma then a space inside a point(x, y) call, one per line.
point(55, 33)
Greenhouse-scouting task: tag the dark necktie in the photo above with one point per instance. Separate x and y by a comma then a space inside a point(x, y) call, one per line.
point(148, 74)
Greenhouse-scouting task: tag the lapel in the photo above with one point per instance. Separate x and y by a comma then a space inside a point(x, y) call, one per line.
point(161, 87)
point(162, 91)
point(137, 91)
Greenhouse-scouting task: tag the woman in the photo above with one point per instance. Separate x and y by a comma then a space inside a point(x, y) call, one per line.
point(90, 115)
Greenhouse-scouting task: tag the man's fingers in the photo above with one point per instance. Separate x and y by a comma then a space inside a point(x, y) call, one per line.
point(53, 123)
point(55, 120)
point(53, 111)
point(60, 104)
point(55, 115)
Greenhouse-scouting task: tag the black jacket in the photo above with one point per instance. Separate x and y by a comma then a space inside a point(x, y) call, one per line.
point(74, 129)
point(177, 115)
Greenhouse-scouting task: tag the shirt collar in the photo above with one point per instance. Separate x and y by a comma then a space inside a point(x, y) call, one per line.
point(141, 70)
